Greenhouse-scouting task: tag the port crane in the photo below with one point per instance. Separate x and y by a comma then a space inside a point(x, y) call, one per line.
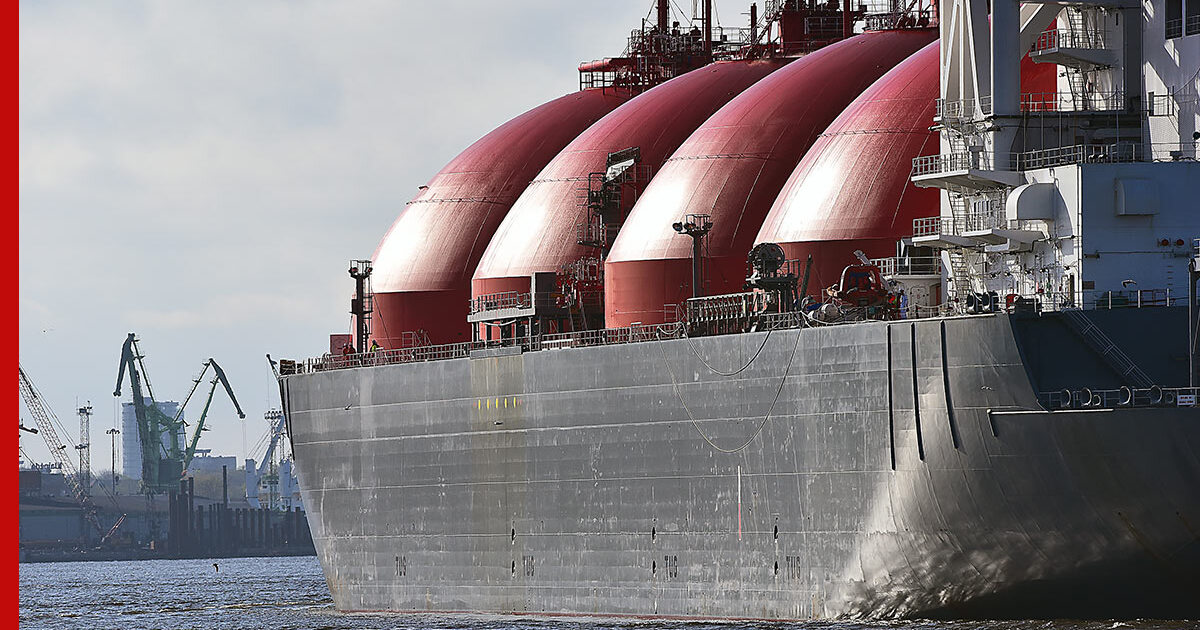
point(45, 419)
point(165, 456)
point(266, 468)
point(218, 377)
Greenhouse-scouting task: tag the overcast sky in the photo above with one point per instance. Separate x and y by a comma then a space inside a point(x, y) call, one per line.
point(201, 172)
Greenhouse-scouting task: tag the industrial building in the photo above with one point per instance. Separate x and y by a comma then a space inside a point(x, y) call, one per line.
point(131, 443)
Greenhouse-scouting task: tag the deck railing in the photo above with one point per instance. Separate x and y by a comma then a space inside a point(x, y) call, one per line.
point(1054, 39)
point(501, 300)
point(1080, 154)
point(1174, 28)
point(1041, 302)
point(1069, 102)
point(908, 265)
point(1115, 152)
point(1087, 398)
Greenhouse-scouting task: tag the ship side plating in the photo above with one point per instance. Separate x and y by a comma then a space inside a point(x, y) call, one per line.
point(847, 471)
point(998, 421)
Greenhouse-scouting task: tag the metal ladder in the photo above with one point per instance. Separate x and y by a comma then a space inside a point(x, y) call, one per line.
point(960, 273)
point(1112, 355)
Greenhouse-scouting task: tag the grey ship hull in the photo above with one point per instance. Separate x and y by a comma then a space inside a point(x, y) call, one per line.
point(890, 478)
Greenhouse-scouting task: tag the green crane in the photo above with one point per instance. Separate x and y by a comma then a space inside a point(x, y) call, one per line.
point(165, 457)
point(218, 376)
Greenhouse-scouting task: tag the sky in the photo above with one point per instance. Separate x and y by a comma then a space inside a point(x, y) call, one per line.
point(200, 173)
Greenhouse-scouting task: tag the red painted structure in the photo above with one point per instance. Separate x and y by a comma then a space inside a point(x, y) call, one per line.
point(732, 168)
point(851, 191)
point(540, 232)
point(423, 265)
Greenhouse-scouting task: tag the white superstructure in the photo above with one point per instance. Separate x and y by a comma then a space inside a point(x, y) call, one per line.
point(1087, 195)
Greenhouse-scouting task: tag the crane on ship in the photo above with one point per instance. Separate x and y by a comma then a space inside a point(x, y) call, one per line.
point(165, 455)
point(45, 420)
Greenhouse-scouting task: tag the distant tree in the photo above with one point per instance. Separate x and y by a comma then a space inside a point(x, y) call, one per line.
point(208, 485)
point(103, 479)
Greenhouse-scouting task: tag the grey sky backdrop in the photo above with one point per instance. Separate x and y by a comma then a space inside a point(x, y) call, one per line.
point(201, 172)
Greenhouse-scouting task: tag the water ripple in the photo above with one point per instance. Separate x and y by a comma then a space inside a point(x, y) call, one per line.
point(290, 594)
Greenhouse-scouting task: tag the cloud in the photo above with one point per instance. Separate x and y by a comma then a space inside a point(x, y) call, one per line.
point(224, 311)
point(201, 172)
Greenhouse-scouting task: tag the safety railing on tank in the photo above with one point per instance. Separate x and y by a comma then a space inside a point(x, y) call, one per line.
point(732, 35)
point(892, 21)
point(823, 26)
point(501, 300)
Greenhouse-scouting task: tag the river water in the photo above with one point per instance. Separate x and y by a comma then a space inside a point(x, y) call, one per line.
point(290, 593)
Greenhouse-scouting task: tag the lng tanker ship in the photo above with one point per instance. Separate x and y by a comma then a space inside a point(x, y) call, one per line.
point(857, 312)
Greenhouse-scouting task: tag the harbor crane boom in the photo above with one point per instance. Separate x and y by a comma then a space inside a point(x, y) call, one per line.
point(161, 468)
point(165, 454)
point(218, 376)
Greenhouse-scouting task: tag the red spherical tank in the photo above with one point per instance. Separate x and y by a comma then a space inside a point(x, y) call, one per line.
point(732, 168)
point(851, 191)
point(540, 233)
point(423, 266)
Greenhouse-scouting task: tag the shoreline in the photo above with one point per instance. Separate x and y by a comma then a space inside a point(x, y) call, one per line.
point(52, 556)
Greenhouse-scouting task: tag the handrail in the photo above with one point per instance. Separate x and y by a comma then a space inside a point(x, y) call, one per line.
point(1028, 160)
point(500, 300)
point(1054, 39)
point(636, 333)
point(1102, 101)
point(1086, 398)
point(908, 265)
point(1174, 28)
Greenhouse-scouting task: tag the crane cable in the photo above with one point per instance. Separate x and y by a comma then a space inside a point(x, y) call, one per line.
point(26, 455)
point(737, 371)
point(696, 425)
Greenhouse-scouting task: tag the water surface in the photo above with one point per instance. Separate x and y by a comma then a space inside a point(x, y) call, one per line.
point(290, 593)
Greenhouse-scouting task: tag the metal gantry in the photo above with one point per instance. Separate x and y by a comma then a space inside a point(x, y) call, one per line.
point(267, 471)
point(84, 447)
point(112, 433)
